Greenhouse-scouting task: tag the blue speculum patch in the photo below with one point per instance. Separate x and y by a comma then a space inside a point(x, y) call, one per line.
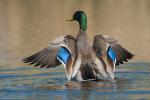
point(63, 55)
point(111, 54)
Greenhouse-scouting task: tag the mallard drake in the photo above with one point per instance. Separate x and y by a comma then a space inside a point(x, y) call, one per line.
point(81, 60)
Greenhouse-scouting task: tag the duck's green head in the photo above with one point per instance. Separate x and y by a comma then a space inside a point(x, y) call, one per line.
point(80, 17)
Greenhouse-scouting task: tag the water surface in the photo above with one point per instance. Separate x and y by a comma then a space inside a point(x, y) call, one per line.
point(132, 82)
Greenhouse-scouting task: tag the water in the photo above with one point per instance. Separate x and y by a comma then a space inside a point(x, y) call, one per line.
point(132, 82)
point(27, 26)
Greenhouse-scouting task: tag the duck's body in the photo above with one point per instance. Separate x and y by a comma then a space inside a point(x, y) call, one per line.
point(81, 60)
point(84, 58)
point(87, 64)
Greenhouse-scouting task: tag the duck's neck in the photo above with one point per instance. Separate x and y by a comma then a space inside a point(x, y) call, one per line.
point(83, 43)
point(83, 23)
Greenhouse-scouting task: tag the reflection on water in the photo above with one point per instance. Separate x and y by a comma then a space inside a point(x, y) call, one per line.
point(27, 25)
point(42, 84)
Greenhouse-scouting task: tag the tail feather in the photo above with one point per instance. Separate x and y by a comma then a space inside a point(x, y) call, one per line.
point(87, 72)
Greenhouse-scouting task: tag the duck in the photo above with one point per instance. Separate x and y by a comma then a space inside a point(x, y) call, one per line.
point(82, 61)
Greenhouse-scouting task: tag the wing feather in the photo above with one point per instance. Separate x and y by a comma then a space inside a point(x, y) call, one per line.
point(47, 57)
point(122, 55)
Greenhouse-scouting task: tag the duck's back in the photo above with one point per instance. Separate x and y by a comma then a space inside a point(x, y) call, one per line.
point(84, 65)
point(83, 43)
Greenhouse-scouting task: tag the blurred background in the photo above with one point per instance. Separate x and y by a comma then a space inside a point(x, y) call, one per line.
point(27, 26)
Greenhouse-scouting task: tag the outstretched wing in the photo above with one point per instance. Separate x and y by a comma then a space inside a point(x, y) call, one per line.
point(104, 44)
point(60, 51)
point(111, 51)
